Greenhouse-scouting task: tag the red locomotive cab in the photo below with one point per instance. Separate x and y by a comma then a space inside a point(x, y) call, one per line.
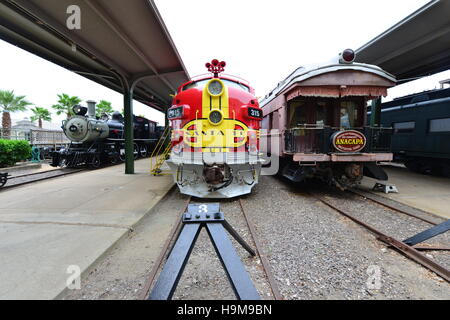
point(215, 121)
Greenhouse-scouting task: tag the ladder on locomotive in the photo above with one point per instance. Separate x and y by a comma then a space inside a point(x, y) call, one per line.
point(160, 153)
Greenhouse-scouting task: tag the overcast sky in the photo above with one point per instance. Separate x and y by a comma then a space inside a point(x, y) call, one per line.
point(262, 41)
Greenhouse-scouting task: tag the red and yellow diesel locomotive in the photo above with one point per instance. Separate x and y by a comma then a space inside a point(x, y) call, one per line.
point(215, 121)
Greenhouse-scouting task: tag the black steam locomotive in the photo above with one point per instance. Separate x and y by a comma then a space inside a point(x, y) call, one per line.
point(100, 141)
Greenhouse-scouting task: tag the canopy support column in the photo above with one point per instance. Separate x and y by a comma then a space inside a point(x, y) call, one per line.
point(128, 127)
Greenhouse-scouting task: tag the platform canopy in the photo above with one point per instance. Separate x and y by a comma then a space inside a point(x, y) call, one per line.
point(118, 43)
point(417, 46)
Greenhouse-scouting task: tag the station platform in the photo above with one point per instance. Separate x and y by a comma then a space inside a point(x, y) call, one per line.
point(425, 192)
point(47, 226)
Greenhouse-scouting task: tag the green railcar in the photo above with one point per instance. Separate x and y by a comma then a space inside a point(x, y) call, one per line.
point(421, 130)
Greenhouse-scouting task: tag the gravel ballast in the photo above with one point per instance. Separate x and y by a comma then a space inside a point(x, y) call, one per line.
point(314, 252)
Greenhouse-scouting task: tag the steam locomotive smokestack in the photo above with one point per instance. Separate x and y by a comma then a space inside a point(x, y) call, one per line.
point(91, 108)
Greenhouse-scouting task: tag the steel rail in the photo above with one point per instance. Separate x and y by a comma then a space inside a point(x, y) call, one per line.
point(264, 261)
point(392, 207)
point(6, 187)
point(162, 255)
point(54, 176)
point(31, 174)
point(405, 249)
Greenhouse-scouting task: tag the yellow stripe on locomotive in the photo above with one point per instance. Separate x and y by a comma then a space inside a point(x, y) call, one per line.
point(216, 131)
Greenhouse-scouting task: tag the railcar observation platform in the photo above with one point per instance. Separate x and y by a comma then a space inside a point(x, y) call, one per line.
point(46, 227)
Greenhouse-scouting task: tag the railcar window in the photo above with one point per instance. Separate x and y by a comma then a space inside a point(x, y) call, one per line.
point(420, 98)
point(229, 83)
point(321, 115)
point(349, 114)
point(440, 125)
point(404, 127)
point(297, 113)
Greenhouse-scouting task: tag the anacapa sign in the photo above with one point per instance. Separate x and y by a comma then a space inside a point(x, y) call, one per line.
point(349, 141)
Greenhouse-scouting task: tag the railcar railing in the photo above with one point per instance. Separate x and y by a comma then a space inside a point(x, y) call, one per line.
point(317, 139)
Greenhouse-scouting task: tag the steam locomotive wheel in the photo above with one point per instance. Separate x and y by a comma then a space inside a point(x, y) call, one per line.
point(136, 151)
point(63, 163)
point(95, 161)
point(143, 151)
point(122, 156)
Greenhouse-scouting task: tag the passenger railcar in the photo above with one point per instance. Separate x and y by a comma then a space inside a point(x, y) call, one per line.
point(215, 121)
point(421, 130)
point(99, 141)
point(319, 115)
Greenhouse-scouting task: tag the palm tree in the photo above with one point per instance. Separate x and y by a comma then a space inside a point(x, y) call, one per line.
point(103, 107)
point(65, 104)
point(10, 103)
point(41, 114)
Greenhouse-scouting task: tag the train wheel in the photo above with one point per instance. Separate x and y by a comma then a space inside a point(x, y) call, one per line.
point(143, 151)
point(113, 159)
point(122, 154)
point(95, 163)
point(63, 163)
point(136, 151)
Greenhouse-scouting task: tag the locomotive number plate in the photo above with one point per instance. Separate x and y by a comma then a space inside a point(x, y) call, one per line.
point(255, 113)
point(175, 113)
point(349, 141)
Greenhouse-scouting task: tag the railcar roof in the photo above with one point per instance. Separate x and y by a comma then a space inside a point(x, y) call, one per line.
point(304, 73)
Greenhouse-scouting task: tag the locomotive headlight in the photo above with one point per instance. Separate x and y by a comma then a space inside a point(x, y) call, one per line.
point(215, 87)
point(215, 117)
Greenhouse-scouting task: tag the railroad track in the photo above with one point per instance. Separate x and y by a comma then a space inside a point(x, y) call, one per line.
point(412, 252)
point(395, 207)
point(20, 180)
point(165, 252)
point(48, 174)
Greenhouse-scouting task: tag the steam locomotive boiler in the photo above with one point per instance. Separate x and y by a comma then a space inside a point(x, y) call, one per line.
point(215, 121)
point(98, 141)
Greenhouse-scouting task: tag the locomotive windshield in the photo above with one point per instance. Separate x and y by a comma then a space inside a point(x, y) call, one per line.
point(229, 83)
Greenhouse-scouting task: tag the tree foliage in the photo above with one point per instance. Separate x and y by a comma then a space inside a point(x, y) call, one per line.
point(41, 114)
point(9, 102)
point(65, 104)
point(103, 107)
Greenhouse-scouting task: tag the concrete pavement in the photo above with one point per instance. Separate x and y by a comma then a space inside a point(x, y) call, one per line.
point(425, 192)
point(48, 226)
